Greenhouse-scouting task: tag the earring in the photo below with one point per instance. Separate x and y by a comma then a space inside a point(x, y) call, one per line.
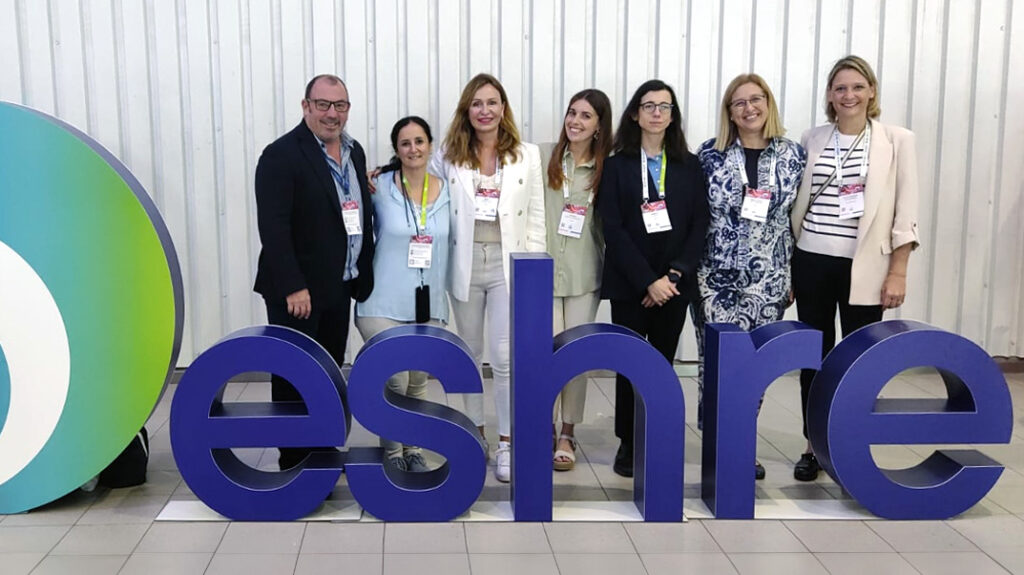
point(595, 134)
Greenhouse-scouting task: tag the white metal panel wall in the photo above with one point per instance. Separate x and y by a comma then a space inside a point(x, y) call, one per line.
point(187, 93)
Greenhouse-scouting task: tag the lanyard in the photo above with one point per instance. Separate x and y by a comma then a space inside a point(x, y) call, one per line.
point(497, 174)
point(661, 175)
point(423, 201)
point(567, 180)
point(741, 164)
point(866, 136)
point(340, 176)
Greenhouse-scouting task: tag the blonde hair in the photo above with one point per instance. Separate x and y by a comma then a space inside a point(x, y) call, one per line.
point(460, 141)
point(859, 65)
point(727, 131)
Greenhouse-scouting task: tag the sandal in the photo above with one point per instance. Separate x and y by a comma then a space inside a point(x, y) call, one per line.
point(565, 460)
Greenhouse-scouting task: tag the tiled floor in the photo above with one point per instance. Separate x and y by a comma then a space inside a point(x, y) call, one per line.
point(115, 532)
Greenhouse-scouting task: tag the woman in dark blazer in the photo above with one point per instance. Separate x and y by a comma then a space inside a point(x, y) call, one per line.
point(653, 205)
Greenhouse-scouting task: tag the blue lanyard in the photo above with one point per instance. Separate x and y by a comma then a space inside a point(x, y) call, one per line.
point(341, 177)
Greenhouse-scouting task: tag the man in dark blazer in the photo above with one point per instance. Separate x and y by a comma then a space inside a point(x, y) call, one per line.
point(314, 213)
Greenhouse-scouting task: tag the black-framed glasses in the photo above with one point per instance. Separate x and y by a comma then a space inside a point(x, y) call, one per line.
point(324, 105)
point(650, 107)
point(751, 101)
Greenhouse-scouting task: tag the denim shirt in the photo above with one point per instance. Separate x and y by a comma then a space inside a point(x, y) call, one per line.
point(734, 242)
point(353, 193)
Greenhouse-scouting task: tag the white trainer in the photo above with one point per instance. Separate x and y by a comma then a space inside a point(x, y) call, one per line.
point(503, 462)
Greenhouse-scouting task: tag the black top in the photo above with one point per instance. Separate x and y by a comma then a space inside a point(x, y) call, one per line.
point(752, 157)
point(634, 258)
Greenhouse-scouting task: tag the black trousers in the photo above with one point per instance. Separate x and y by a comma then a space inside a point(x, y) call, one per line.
point(821, 284)
point(661, 326)
point(327, 324)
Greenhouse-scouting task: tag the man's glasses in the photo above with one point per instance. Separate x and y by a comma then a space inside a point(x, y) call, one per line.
point(324, 105)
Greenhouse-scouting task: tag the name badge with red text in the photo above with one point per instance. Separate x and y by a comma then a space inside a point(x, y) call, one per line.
point(487, 205)
point(755, 204)
point(655, 216)
point(420, 251)
point(571, 224)
point(350, 216)
point(851, 201)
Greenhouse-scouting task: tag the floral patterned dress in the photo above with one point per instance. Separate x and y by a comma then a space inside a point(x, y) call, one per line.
point(744, 274)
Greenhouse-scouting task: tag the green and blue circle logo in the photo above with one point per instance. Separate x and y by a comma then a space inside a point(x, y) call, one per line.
point(90, 308)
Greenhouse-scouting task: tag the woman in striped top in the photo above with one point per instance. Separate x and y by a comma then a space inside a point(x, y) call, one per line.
point(855, 218)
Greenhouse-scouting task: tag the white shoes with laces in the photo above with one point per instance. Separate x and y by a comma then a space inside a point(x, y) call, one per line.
point(503, 462)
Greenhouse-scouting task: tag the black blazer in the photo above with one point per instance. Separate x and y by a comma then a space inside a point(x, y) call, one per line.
point(300, 225)
point(633, 258)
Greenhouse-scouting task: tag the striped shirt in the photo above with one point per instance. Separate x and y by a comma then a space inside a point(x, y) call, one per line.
point(822, 232)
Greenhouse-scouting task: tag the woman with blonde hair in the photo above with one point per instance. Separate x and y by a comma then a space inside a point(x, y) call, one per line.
point(753, 174)
point(855, 218)
point(497, 207)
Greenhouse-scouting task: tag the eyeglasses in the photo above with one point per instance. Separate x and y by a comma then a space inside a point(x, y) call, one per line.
point(650, 107)
point(751, 101)
point(324, 105)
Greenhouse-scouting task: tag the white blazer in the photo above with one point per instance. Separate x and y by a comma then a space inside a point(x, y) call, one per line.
point(520, 211)
point(890, 204)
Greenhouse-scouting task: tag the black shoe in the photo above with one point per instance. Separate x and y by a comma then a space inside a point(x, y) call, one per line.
point(807, 468)
point(624, 460)
point(758, 470)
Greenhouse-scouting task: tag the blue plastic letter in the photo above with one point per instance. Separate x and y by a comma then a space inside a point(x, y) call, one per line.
point(203, 429)
point(542, 365)
point(738, 368)
point(845, 417)
point(443, 493)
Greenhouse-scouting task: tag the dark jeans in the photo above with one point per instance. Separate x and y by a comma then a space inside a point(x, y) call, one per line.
point(661, 326)
point(327, 324)
point(820, 284)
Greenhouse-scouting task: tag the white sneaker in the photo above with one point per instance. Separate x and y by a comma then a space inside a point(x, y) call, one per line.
point(503, 462)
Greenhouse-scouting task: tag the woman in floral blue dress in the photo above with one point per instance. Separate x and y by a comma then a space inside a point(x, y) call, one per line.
point(753, 174)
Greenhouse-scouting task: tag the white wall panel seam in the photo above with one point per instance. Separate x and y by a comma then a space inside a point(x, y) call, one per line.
point(248, 142)
point(127, 151)
point(155, 126)
point(997, 184)
point(785, 53)
point(816, 80)
point(932, 232)
point(371, 79)
point(24, 70)
point(969, 171)
point(280, 120)
point(191, 307)
point(54, 31)
point(219, 185)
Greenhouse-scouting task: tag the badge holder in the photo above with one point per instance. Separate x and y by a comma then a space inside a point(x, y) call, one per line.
point(423, 304)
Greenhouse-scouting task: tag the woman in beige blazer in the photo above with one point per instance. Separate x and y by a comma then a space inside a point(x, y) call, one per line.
point(854, 218)
point(497, 207)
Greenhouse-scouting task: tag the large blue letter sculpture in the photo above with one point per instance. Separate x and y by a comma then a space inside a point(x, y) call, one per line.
point(446, 492)
point(738, 367)
point(845, 417)
point(204, 428)
point(542, 365)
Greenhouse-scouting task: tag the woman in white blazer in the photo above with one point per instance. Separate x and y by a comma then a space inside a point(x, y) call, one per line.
point(854, 218)
point(497, 207)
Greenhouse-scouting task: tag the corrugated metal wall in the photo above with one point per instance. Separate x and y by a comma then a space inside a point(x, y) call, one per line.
point(187, 92)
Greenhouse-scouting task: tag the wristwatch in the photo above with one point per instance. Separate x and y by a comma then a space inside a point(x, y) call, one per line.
point(673, 277)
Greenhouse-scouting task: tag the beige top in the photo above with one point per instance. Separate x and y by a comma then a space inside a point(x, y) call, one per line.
point(578, 262)
point(487, 232)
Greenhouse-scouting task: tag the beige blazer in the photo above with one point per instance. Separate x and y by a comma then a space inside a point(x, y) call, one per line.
point(520, 212)
point(890, 204)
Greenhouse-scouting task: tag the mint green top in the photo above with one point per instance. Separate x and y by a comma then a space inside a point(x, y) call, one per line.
point(578, 262)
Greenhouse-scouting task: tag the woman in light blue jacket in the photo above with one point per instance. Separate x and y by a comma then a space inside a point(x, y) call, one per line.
point(411, 224)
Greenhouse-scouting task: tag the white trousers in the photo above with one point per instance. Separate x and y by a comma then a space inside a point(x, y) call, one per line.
point(408, 383)
point(570, 312)
point(488, 298)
